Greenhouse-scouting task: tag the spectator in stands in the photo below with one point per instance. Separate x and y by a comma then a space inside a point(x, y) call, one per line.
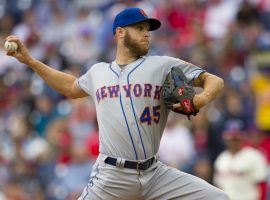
point(240, 170)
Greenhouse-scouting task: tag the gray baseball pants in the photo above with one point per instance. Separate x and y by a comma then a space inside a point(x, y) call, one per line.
point(159, 182)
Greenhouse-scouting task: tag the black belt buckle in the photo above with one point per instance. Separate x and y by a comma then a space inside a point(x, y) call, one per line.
point(144, 165)
point(138, 166)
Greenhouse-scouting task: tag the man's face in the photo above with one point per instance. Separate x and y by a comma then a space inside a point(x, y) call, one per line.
point(137, 38)
point(233, 143)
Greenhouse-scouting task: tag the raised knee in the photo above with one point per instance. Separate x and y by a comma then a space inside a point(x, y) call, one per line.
point(222, 196)
point(217, 194)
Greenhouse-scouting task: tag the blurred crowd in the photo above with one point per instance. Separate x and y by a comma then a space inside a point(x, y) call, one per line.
point(48, 143)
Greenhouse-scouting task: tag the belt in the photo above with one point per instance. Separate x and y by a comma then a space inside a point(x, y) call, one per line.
point(132, 164)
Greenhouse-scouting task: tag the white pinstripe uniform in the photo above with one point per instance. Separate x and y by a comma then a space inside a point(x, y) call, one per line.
point(131, 117)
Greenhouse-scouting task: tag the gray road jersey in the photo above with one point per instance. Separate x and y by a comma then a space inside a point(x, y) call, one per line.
point(129, 105)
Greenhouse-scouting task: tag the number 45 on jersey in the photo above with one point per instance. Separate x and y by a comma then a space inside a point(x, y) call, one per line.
point(149, 115)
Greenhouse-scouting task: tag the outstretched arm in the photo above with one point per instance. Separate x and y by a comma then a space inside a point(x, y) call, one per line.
point(61, 82)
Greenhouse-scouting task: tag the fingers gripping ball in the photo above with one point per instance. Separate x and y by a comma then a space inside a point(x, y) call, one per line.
point(176, 89)
point(11, 46)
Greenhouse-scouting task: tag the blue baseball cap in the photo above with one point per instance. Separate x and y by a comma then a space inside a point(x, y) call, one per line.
point(234, 128)
point(131, 16)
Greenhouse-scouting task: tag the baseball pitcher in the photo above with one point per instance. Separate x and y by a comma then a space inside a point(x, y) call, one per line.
point(132, 109)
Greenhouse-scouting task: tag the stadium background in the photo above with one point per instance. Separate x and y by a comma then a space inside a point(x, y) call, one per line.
point(48, 143)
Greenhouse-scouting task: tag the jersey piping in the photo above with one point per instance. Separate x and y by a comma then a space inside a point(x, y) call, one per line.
point(135, 117)
point(125, 116)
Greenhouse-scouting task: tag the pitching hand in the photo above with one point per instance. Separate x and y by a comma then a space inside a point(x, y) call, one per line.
point(22, 53)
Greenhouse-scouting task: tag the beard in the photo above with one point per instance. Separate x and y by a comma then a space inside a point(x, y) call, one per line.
point(134, 47)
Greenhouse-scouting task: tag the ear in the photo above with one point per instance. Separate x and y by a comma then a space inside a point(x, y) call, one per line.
point(120, 32)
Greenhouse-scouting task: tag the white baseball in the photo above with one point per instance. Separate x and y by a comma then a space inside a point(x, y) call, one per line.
point(11, 46)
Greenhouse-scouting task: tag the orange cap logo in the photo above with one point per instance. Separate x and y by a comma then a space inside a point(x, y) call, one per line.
point(143, 13)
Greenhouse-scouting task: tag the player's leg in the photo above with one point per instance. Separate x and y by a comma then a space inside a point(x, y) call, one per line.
point(164, 182)
point(108, 182)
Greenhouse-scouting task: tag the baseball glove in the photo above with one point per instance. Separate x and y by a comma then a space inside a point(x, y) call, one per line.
point(176, 89)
